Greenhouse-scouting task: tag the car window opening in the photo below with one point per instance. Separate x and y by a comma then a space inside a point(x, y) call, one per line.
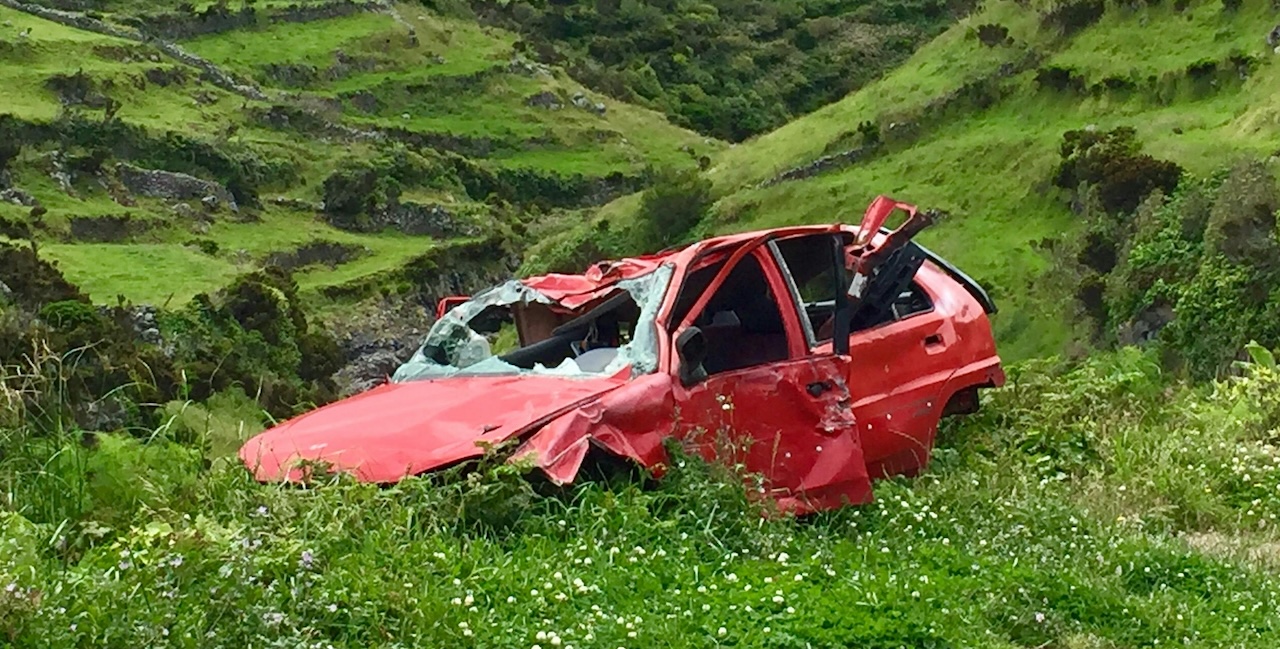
point(812, 267)
point(742, 323)
point(512, 329)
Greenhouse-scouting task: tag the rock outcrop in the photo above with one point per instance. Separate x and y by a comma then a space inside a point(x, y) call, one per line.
point(176, 186)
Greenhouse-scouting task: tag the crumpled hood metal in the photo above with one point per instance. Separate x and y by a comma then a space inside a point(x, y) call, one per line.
point(401, 429)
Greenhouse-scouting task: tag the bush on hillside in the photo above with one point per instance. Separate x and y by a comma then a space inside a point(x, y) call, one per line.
point(1071, 16)
point(726, 68)
point(992, 35)
point(255, 336)
point(98, 366)
point(1061, 79)
point(677, 201)
point(1112, 162)
point(1196, 271)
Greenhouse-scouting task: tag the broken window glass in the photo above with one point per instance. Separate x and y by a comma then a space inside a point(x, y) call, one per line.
point(602, 339)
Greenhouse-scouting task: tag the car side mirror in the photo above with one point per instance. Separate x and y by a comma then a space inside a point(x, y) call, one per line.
point(691, 348)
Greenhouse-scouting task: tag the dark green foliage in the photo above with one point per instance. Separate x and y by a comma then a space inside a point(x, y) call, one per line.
point(1059, 78)
point(1232, 5)
point(14, 229)
point(1071, 16)
point(1197, 271)
point(1111, 161)
point(726, 68)
point(677, 201)
point(1242, 224)
point(71, 316)
point(33, 281)
point(255, 336)
point(207, 246)
point(356, 190)
point(991, 35)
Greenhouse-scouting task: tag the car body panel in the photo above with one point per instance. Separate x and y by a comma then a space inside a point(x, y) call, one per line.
point(402, 429)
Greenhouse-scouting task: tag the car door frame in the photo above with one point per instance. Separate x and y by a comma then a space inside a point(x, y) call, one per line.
point(848, 483)
point(890, 415)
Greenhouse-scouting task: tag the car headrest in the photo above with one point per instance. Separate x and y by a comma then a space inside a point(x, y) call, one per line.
point(725, 319)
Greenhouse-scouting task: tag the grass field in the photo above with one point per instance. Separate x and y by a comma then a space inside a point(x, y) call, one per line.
point(1065, 515)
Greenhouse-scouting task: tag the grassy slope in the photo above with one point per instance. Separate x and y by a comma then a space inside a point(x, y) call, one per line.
point(154, 266)
point(1065, 515)
point(990, 168)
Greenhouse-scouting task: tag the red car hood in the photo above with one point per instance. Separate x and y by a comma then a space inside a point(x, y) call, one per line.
point(401, 429)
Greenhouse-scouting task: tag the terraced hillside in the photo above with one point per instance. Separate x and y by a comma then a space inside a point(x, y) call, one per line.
point(973, 123)
point(156, 150)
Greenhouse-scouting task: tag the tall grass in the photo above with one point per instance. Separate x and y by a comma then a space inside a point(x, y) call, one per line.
point(1072, 512)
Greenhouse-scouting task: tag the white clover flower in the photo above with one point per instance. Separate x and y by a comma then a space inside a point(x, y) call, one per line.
point(721, 631)
point(778, 599)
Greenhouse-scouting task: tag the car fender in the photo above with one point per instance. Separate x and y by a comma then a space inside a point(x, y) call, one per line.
point(632, 421)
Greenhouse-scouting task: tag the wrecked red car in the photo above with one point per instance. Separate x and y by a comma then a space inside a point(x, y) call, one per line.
point(818, 357)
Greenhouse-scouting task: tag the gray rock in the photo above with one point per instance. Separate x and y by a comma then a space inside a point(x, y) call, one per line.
point(210, 203)
point(545, 99)
point(172, 185)
point(107, 414)
point(6, 293)
point(18, 197)
point(1273, 37)
point(1145, 327)
point(184, 210)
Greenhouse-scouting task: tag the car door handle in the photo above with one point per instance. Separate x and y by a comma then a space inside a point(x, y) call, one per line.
point(933, 340)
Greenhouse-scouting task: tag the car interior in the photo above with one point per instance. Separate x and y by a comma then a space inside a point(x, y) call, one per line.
point(742, 322)
point(893, 295)
point(591, 339)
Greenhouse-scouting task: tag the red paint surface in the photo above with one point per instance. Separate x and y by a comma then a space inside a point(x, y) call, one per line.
point(403, 429)
point(805, 446)
point(876, 416)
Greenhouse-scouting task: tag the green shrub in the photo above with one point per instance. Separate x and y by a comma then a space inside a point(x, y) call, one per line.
point(1210, 253)
point(1111, 161)
point(677, 201)
point(1071, 16)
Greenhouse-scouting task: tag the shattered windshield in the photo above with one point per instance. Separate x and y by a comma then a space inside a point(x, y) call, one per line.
point(512, 329)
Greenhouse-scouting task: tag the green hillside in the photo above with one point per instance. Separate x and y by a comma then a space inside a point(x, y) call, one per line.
point(968, 128)
point(444, 106)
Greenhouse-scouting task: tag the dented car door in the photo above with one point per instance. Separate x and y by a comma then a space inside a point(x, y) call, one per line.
point(759, 398)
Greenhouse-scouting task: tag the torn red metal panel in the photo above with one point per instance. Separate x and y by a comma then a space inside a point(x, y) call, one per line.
point(630, 422)
point(600, 280)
